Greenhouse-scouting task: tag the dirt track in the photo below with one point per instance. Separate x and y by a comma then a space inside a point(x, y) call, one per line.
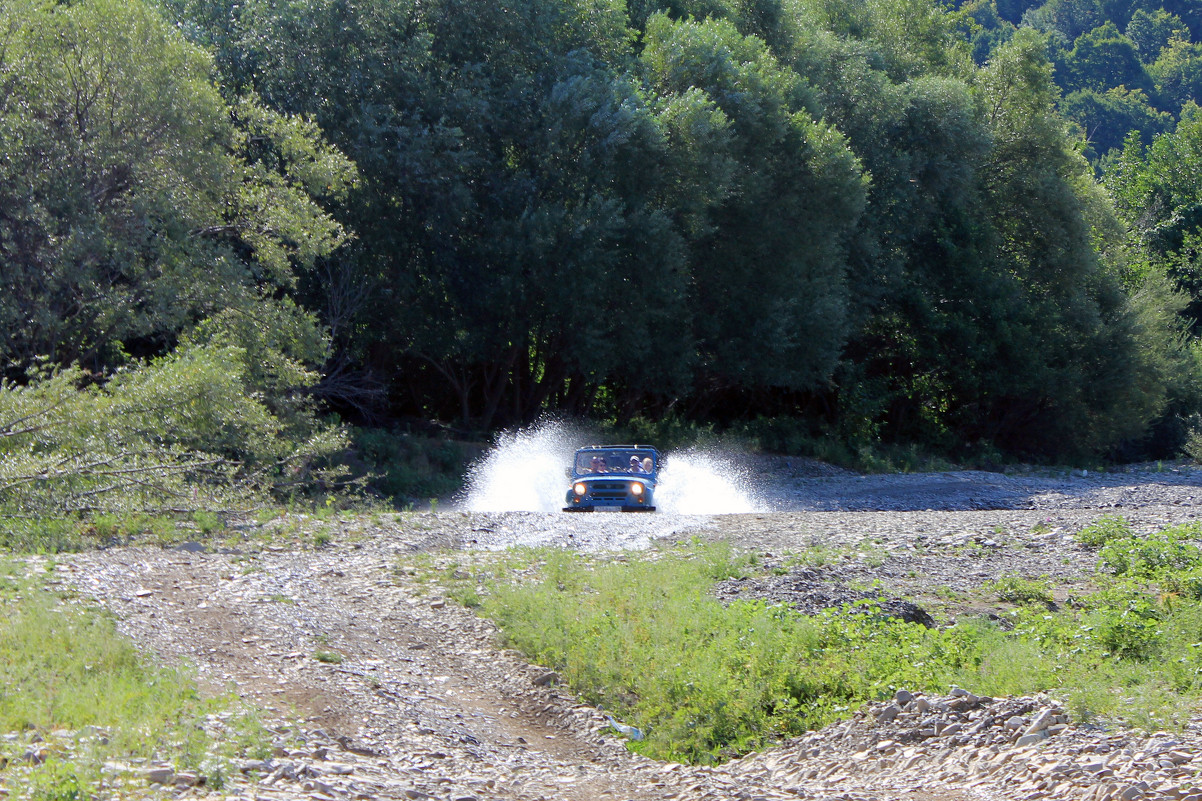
point(424, 704)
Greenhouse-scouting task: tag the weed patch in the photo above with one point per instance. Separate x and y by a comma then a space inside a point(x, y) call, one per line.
point(90, 696)
point(1015, 589)
point(644, 639)
point(706, 681)
point(1104, 530)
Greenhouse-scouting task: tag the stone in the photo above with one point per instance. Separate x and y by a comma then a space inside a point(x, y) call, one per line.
point(322, 787)
point(903, 697)
point(1031, 739)
point(1041, 721)
point(160, 775)
point(35, 755)
point(546, 679)
point(888, 713)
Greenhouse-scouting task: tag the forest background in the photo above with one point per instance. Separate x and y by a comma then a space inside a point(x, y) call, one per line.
point(237, 237)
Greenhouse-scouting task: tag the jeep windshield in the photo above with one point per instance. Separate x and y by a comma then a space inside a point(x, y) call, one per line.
point(630, 461)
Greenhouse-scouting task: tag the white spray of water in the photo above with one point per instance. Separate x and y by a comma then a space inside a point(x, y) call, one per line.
point(706, 482)
point(525, 472)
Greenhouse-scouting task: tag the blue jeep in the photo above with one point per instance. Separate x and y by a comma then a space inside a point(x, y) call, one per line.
point(613, 478)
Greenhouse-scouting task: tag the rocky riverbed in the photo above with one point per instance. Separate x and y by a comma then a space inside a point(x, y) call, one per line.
point(421, 702)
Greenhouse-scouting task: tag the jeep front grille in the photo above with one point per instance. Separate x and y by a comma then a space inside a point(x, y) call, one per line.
point(608, 490)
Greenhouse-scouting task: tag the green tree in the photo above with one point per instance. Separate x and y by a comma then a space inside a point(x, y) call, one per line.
point(133, 199)
point(1074, 370)
point(1178, 72)
point(1151, 32)
point(1012, 10)
point(1102, 59)
point(768, 276)
point(1159, 192)
point(512, 233)
point(1066, 19)
point(1107, 117)
point(988, 28)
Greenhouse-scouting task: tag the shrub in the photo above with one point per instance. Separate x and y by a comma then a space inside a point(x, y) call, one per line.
point(1125, 621)
point(207, 523)
point(1103, 530)
point(1018, 590)
point(404, 467)
point(1159, 554)
point(182, 433)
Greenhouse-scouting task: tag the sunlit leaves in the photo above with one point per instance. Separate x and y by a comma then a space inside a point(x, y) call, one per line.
point(182, 432)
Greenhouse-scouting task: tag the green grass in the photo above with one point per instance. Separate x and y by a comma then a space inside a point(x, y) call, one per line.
point(1015, 589)
point(68, 676)
point(706, 681)
point(645, 640)
point(74, 532)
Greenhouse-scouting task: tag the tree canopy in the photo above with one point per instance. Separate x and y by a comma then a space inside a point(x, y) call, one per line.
point(881, 218)
point(134, 200)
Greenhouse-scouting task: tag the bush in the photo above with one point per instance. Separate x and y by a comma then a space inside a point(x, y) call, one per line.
point(1125, 621)
point(1103, 530)
point(1018, 590)
point(1157, 555)
point(405, 467)
point(178, 434)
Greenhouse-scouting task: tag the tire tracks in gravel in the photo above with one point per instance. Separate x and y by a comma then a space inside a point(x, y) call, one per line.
point(423, 702)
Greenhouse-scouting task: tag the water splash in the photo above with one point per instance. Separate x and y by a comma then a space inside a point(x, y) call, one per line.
point(707, 481)
point(525, 472)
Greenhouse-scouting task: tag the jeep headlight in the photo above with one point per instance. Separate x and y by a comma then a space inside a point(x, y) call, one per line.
point(579, 488)
point(636, 488)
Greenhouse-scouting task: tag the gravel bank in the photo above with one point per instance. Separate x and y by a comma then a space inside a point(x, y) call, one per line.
point(425, 705)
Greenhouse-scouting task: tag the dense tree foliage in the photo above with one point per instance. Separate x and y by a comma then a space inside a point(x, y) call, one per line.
point(1159, 191)
point(133, 199)
point(879, 216)
point(1121, 65)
